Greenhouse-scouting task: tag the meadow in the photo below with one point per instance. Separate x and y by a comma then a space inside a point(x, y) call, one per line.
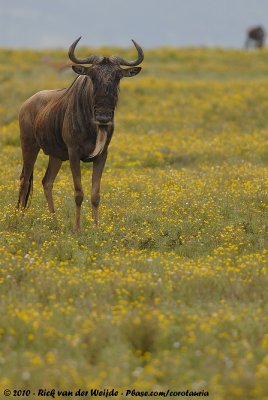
point(170, 291)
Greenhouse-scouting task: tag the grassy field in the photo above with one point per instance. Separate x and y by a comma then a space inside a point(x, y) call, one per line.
point(170, 291)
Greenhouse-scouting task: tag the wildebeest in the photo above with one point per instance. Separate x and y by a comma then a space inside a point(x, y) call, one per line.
point(75, 123)
point(255, 37)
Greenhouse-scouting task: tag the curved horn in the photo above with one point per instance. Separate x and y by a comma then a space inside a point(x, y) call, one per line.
point(122, 61)
point(89, 60)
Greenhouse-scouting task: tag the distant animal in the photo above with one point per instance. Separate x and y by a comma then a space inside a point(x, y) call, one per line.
point(255, 37)
point(58, 66)
point(75, 123)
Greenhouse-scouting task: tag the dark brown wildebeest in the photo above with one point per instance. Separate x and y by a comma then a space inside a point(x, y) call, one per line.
point(255, 37)
point(73, 124)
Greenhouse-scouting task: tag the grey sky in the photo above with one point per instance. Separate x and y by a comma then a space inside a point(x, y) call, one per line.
point(152, 23)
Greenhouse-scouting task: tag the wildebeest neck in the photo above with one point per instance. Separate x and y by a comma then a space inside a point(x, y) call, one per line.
point(78, 107)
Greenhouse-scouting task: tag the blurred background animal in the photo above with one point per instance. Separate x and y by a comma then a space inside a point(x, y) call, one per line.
point(255, 37)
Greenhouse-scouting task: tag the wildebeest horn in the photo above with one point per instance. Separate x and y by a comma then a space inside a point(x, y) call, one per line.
point(88, 60)
point(122, 61)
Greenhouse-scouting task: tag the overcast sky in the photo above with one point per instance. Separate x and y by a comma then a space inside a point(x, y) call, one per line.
point(152, 23)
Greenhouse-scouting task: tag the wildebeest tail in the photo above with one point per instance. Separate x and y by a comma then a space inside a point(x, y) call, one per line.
point(30, 190)
point(28, 194)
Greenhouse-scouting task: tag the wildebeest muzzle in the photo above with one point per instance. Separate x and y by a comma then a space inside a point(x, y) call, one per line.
point(103, 117)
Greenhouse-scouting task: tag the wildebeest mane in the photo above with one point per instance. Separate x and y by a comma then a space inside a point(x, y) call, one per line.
point(70, 108)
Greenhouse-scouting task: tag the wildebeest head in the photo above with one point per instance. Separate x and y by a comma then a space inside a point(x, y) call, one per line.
point(105, 74)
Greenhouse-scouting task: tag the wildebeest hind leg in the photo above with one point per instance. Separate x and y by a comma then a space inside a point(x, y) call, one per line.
point(26, 177)
point(53, 168)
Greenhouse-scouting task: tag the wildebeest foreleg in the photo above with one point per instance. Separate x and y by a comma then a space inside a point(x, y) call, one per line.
point(53, 168)
point(78, 191)
point(98, 166)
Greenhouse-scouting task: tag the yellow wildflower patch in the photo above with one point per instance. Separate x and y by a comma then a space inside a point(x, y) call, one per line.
point(170, 291)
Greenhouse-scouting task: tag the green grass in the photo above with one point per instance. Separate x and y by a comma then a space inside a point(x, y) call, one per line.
point(169, 292)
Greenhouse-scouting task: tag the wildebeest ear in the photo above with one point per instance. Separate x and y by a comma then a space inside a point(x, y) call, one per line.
point(80, 69)
point(129, 72)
